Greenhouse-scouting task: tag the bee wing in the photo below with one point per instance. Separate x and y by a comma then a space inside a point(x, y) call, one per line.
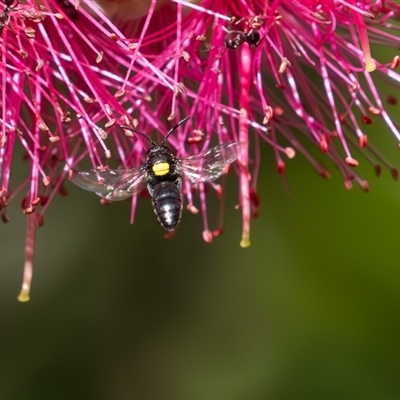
point(209, 165)
point(112, 184)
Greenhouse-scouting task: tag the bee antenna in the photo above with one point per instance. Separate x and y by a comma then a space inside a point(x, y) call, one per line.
point(173, 128)
point(147, 137)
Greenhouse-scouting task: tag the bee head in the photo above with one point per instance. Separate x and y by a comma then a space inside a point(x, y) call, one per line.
point(159, 154)
point(160, 161)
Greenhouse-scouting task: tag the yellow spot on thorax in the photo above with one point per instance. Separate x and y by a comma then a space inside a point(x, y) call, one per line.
point(160, 169)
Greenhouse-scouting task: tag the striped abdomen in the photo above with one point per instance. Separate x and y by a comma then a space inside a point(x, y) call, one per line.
point(167, 203)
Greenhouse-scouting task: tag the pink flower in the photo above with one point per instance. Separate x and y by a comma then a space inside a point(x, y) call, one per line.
point(277, 72)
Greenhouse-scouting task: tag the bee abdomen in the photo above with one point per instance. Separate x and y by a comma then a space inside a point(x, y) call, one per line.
point(167, 203)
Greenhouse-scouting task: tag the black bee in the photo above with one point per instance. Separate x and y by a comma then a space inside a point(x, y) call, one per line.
point(162, 173)
point(251, 37)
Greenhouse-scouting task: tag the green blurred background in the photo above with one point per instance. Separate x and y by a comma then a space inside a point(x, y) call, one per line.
point(309, 311)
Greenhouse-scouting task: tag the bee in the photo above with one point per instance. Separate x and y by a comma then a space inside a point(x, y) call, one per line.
point(162, 173)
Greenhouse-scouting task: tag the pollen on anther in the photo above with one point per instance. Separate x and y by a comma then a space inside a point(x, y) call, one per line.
point(192, 208)
point(285, 63)
point(36, 201)
point(395, 62)
point(30, 33)
point(207, 236)
point(352, 162)
point(99, 57)
point(23, 297)
point(39, 65)
point(119, 93)
point(54, 139)
point(43, 127)
point(199, 132)
point(110, 123)
point(128, 133)
point(90, 100)
point(370, 66)
point(186, 56)
point(323, 145)
point(245, 242)
point(194, 139)
point(290, 152)
point(102, 133)
point(363, 140)
point(348, 184)
point(374, 110)
point(365, 186)
point(108, 109)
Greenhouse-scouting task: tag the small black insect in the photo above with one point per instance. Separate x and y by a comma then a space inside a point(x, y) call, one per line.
point(162, 173)
point(249, 33)
point(5, 14)
point(69, 9)
point(251, 37)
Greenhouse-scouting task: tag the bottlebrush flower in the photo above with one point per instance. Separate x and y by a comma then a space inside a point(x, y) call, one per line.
point(277, 72)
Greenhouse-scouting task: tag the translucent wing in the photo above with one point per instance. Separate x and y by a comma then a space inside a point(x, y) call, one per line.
point(112, 184)
point(211, 164)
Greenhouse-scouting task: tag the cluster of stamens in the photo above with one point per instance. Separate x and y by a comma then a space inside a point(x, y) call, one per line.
point(282, 72)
